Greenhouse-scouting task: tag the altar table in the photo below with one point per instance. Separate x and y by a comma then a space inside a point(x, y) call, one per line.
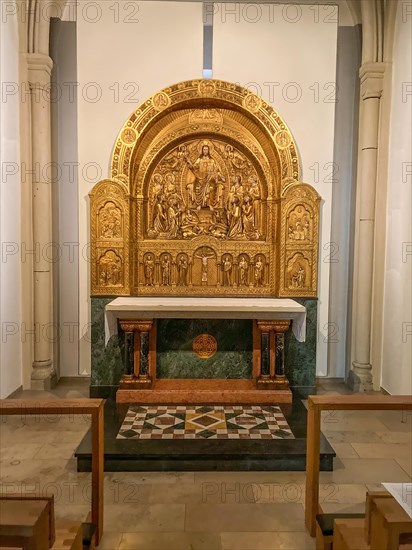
point(271, 319)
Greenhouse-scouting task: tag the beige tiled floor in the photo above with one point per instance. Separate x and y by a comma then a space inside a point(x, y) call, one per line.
point(205, 510)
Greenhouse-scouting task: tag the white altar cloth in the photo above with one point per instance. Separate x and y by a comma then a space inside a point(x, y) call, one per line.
point(205, 308)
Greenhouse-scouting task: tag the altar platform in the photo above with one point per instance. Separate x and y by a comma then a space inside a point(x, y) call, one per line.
point(284, 452)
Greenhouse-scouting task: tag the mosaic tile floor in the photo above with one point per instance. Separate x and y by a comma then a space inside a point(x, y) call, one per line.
point(205, 422)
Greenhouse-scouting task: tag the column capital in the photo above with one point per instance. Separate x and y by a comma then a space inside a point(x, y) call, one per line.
point(136, 325)
point(267, 325)
point(371, 80)
point(39, 67)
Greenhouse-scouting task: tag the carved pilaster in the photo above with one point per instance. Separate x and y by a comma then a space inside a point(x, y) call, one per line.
point(141, 338)
point(272, 372)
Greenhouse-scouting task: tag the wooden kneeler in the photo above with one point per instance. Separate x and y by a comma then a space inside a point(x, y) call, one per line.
point(325, 528)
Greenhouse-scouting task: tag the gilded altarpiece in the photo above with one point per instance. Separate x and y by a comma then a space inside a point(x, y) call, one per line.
point(204, 198)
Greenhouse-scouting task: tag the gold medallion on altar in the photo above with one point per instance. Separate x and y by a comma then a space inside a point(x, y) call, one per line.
point(204, 346)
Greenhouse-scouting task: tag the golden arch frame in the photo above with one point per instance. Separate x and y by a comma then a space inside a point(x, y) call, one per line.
point(205, 93)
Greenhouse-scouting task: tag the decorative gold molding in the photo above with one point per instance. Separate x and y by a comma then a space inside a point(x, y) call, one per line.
point(136, 325)
point(210, 94)
point(268, 325)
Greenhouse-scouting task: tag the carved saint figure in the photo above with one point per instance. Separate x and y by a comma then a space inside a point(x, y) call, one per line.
point(254, 192)
point(149, 268)
point(182, 267)
point(236, 190)
point(299, 227)
point(160, 215)
point(243, 271)
point(172, 218)
point(227, 271)
point(204, 257)
point(218, 193)
point(248, 218)
point(298, 277)
point(157, 186)
point(166, 270)
point(235, 219)
point(204, 175)
point(259, 271)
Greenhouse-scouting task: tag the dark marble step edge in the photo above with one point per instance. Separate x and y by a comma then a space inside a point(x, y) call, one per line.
point(233, 448)
point(163, 465)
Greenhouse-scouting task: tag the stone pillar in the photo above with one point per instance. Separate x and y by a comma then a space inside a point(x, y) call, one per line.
point(272, 363)
point(39, 72)
point(371, 76)
point(140, 377)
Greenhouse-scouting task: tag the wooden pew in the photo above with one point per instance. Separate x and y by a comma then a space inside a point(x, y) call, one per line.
point(93, 407)
point(319, 403)
point(386, 527)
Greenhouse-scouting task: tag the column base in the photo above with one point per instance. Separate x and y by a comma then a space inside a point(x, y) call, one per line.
point(131, 382)
point(360, 377)
point(47, 383)
point(266, 382)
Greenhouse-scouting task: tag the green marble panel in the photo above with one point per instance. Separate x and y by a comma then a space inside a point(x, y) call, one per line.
point(300, 357)
point(107, 362)
point(176, 359)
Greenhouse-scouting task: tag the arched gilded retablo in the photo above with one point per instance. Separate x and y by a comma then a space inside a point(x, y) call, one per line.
point(204, 200)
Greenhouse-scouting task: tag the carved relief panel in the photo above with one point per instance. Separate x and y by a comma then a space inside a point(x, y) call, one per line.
point(205, 187)
point(299, 234)
point(109, 233)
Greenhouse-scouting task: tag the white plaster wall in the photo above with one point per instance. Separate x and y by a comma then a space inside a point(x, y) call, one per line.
point(396, 375)
point(126, 52)
point(10, 266)
point(288, 56)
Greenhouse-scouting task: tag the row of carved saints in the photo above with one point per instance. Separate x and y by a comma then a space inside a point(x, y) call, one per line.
point(248, 273)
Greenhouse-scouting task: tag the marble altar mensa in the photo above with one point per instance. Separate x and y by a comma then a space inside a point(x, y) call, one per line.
point(206, 308)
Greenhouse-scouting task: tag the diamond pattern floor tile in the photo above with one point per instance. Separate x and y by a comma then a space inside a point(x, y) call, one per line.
point(205, 422)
